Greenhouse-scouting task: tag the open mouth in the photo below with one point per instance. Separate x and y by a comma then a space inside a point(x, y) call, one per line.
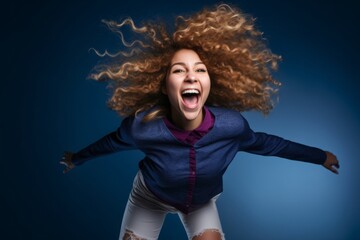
point(190, 98)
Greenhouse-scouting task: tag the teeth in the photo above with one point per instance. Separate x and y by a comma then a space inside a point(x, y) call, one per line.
point(190, 91)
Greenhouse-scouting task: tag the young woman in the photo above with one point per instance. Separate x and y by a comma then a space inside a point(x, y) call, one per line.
point(181, 96)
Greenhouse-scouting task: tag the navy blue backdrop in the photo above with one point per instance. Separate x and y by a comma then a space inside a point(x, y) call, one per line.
point(49, 106)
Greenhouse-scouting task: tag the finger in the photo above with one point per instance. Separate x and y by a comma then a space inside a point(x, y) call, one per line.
point(65, 159)
point(67, 163)
point(63, 163)
point(334, 169)
point(66, 170)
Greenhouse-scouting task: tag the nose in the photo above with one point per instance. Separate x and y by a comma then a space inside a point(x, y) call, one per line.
point(191, 78)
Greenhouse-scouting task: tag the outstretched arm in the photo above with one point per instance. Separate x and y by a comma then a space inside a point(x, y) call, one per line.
point(270, 145)
point(115, 141)
point(331, 163)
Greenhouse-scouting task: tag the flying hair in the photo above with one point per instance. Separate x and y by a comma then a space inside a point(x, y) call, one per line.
point(239, 63)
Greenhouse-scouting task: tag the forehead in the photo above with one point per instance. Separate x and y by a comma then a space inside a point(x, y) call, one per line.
point(185, 55)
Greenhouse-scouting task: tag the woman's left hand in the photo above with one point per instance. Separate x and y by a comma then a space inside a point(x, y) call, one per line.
point(331, 163)
point(67, 161)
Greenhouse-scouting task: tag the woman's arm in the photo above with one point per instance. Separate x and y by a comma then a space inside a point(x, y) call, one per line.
point(271, 145)
point(113, 142)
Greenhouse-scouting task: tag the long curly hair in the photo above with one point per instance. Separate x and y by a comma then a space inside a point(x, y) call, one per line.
point(239, 63)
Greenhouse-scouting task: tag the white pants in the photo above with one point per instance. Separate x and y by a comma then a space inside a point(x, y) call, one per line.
point(145, 213)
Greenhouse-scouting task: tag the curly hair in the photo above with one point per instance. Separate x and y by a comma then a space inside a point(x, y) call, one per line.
point(239, 63)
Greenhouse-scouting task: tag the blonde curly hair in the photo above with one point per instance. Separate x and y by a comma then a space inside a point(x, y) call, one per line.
point(238, 61)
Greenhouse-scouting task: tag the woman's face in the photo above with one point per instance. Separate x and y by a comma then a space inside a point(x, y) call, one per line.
point(187, 87)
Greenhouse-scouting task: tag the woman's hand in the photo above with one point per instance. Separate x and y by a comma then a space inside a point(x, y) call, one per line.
point(67, 161)
point(331, 163)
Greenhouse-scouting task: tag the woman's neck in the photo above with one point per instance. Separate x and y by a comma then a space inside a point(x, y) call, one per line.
point(185, 124)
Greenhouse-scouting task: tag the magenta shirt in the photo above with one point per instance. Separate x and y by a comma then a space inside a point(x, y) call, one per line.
point(191, 137)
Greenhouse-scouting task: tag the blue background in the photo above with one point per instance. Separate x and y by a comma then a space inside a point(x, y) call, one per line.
point(49, 106)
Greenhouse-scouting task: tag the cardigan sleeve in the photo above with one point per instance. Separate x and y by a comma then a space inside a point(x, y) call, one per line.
point(270, 145)
point(118, 140)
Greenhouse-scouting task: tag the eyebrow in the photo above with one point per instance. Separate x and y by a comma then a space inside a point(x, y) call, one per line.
point(184, 65)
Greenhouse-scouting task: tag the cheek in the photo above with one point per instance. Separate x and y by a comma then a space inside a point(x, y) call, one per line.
point(171, 88)
point(207, 86)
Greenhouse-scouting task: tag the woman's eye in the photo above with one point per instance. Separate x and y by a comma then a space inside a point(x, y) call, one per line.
point(178, 71)
point(201, 70)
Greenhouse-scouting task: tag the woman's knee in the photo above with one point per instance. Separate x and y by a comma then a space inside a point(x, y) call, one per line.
point(209, 234)
point(129, 235)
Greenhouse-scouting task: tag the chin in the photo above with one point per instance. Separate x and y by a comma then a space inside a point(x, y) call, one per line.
point(191, 115)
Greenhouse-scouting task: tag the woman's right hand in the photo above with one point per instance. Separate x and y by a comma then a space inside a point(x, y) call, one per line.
point(67, 161)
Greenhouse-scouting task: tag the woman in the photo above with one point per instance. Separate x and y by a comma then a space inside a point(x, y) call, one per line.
point(181, 96)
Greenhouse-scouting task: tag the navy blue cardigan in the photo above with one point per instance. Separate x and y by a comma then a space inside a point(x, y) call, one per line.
point(166, 167)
